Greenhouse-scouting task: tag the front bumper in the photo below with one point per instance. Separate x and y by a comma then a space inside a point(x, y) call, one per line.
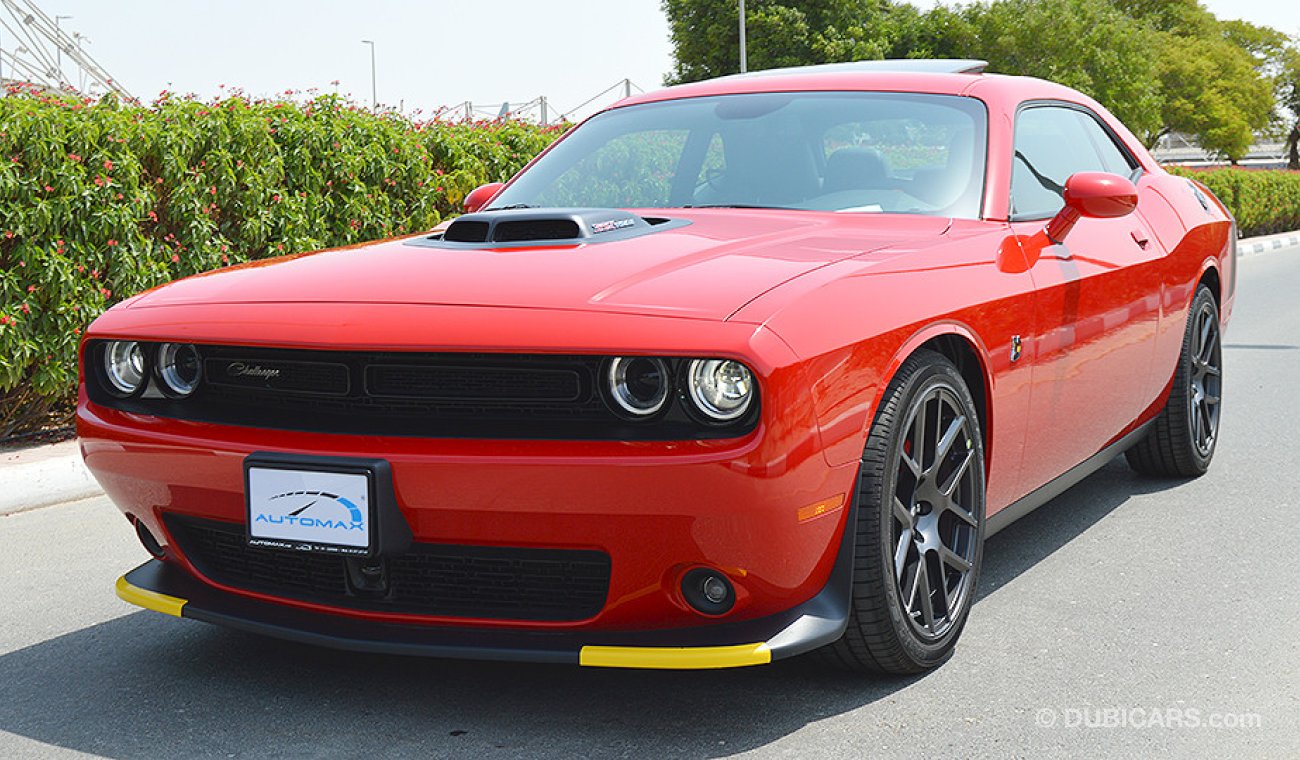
point(165, 588)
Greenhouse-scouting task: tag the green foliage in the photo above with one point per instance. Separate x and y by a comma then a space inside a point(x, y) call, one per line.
point(706, 35)
point(1084, 44)
point(1263, 202)
point(1213, 92)
point(1216, 77)
point(100, 200)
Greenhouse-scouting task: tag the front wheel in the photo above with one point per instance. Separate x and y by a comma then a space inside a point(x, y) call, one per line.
point(1181, 441)
point(920, 523)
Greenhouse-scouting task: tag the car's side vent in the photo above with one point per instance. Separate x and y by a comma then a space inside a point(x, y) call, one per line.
point(536, 229)
point(466, 231)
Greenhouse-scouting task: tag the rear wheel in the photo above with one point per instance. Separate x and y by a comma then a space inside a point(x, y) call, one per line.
point(919, 523)
point(1181, 441)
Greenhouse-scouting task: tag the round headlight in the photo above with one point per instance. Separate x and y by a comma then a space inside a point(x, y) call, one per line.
point(124, 367)
point(638, 384)
point(178, 368)
point(720, 388)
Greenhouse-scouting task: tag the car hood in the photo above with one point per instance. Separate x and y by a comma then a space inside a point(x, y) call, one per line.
point(707, 269)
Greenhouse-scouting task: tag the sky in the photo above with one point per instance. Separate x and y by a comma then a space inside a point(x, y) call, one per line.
point(428, 53)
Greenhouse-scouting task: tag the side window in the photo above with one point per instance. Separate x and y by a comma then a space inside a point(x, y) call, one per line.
point(1051, 144)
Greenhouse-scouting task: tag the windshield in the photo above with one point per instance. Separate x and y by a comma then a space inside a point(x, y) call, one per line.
point(863, 152)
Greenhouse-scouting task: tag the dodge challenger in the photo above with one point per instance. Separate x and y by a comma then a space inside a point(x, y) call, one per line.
point(734, 371)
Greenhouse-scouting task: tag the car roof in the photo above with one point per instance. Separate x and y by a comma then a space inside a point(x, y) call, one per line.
point(917, 65)
point(935, 76)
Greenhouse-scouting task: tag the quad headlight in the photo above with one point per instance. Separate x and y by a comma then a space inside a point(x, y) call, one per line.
point(179, 369)
point(713, 391)
point(638, 385)
point(125, 367)
point(721, 389)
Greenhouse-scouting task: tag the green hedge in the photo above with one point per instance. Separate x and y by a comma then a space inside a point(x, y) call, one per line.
point(99, 200)
point(1264, 201)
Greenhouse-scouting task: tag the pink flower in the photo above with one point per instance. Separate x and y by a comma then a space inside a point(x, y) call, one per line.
point(275, 198)
point(74, 157)
point(111, 242)
point(49, 189)
point(108, 166)
point(175, 259)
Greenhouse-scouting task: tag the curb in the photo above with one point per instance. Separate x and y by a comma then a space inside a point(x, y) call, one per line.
point(54, 474)
point(44, 476)
point(1284, 240)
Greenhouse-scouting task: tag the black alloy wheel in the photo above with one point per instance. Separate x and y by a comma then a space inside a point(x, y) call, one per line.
point(919, 525)
point(1182, 440)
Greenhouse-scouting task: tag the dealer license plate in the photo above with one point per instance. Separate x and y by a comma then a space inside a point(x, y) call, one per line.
point(309, 510)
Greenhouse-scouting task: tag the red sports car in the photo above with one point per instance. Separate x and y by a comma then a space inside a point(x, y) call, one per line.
point(735, 370)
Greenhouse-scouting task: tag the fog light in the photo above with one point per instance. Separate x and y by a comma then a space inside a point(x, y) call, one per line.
point(715, 590)
point(708, 591)
point(151, 544)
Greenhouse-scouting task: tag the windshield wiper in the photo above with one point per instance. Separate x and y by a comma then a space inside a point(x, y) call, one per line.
point(512, 207)
point(740, 205)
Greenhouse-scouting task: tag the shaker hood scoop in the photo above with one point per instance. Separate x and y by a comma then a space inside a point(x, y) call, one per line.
point(696, 263)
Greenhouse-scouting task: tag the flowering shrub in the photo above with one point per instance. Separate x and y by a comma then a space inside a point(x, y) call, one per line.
point(1264, 201)
point(100, 200)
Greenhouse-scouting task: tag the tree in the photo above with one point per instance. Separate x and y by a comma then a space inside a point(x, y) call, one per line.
point(1085, 44)
point(706, 37)
point(1214, 75)
point(1214, 93)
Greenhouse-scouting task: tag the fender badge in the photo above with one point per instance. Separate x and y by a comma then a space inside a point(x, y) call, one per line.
point(1016, 348)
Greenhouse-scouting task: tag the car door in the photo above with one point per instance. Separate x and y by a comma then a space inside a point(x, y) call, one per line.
point(1097, 305)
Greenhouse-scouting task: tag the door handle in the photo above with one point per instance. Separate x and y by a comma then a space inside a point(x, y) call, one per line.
point(1140, 238)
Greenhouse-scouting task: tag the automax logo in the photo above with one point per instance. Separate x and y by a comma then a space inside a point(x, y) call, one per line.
point(301, 501)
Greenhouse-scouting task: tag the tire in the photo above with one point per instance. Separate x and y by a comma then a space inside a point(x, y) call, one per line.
point(926, 407)
point(1181, 442)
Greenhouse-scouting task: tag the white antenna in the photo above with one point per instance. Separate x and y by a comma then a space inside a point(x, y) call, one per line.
point(40, 47)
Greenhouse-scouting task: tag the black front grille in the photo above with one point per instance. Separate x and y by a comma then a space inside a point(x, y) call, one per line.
point(273, 374)
point(451, 383)
point(446, 580)
point(429, 395)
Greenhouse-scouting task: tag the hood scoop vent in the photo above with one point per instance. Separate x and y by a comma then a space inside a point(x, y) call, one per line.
point(554, 226)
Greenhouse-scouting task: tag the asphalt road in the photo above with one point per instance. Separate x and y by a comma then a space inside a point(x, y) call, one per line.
point(1128, 617)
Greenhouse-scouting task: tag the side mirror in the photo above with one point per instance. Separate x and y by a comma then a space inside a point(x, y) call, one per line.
point(479, 196)
point(1097, 195)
